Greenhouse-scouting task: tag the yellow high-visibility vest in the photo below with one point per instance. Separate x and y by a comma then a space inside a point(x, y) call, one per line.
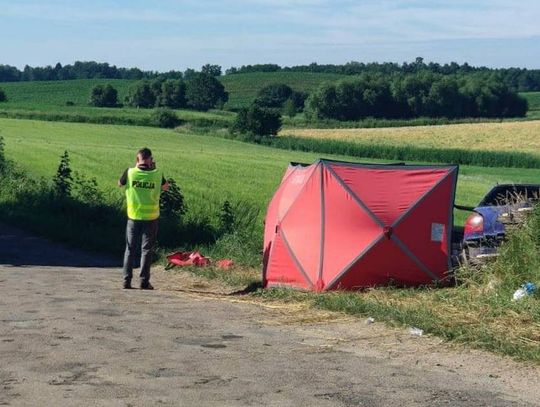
point(142, 193)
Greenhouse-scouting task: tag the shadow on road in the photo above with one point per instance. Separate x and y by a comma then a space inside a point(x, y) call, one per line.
point(20, 248)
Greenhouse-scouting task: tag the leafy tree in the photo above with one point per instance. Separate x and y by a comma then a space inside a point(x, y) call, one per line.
point(104, 96)
point(289, 108)
point(172, 94)
point(3, 97)
point(444, 100)
point(273, 95)
point(214, 70)
point(299, 99)
point(204, 92)
point(323, 103)
point(189, 74)
point(63, 179)
point(256, 122)
point(141, 95)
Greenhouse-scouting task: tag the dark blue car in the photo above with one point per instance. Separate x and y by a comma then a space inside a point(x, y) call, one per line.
point(485, 229)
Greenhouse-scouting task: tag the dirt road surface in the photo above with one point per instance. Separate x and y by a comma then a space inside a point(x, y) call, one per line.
point(69, 336)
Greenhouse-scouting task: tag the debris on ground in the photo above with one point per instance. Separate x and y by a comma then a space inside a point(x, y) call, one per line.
point(413, 331)
point(182, 259)
point(526, 289)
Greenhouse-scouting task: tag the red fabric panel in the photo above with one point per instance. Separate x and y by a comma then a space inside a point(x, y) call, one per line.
point(420, 230)
point(383, 264)
point(302, 225)
point(388, 192)
point(349, 229)
point(281, 269)
point(293, 186)
point(271, 218)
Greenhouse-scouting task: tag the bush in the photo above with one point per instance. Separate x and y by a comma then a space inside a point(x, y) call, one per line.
point(172, 201)
point(104, 96)
point(63, 179)
point(165, 117)
point(257, 122)
point(70, 103)
point(86, 190)
point(3, 97)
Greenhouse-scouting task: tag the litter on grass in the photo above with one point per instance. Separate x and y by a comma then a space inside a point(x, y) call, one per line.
point(182, 259)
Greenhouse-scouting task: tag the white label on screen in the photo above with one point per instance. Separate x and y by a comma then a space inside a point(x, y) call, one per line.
point(437, 232)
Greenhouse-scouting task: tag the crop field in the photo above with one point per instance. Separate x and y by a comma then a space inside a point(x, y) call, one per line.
point(39, 94)
point(208, 169)
point(242, 89)
point(534, 104)
point(519, 136)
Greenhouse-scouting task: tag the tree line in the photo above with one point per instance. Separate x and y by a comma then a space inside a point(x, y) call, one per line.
point(517, 79)
point(93, 70)
point(202, 92)
point(423, 94)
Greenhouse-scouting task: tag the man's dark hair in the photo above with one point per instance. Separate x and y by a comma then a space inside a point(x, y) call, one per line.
point(144, 153)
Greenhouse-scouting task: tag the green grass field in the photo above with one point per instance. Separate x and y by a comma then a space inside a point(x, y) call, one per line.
point(209, 169)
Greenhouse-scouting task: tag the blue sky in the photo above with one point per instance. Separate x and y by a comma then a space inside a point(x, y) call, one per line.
point(164, 35)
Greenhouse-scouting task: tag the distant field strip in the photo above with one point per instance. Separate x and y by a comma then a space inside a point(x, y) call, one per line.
point(507, 136)
point(510, 144)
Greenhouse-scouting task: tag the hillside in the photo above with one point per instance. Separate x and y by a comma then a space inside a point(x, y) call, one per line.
point(243, 88)
point(52, 95)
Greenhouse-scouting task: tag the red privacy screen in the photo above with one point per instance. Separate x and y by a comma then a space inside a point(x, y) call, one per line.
point(337, 225)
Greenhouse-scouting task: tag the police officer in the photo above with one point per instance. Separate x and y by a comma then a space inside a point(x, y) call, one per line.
point(143, 184)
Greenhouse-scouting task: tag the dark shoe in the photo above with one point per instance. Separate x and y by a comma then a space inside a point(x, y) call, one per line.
point(127, 285)
point(146, 286)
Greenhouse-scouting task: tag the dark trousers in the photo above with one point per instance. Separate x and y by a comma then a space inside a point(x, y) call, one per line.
point(140, 236)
